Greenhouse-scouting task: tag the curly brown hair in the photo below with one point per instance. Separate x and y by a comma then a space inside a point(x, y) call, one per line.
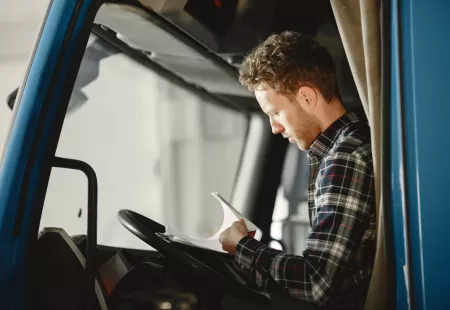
point(287, 61)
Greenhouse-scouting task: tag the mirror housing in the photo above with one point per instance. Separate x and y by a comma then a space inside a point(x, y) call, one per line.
point(11, 99)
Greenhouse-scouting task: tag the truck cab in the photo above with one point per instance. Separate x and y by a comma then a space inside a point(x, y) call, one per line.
point(130, 113)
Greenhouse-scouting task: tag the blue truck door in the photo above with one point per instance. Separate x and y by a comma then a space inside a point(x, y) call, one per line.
point(419, 144)
point(38, 117)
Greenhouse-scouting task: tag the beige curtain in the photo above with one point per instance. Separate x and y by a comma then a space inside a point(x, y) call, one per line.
point(359, 27)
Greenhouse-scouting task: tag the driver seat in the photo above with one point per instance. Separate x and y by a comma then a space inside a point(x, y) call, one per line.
point(58, 274)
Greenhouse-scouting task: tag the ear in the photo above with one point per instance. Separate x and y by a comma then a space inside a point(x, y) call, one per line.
point(307, 96)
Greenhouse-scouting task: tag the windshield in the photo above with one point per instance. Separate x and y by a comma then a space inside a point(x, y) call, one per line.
point(157, 149)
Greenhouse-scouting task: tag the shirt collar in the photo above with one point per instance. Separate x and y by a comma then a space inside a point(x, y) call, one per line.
point(325, 141)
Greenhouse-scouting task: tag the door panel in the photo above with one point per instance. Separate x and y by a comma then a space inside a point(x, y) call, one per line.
point(33, 136)
point(425, 65)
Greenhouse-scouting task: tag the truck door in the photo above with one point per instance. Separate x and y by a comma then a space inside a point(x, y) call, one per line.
point(38, 116)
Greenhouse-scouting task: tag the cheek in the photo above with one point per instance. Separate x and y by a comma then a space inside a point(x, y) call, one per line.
point(289, 121)
point(296, 124)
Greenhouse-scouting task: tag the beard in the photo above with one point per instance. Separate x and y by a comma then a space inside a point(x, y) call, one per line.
point(306, 129)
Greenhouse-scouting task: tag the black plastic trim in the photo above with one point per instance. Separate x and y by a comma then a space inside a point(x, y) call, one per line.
point(265, 184)
point(184, 37)
point(91, 245)
point(141, 57)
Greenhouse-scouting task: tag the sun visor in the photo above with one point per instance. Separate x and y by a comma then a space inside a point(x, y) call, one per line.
point(164, 6)
point(174, 50)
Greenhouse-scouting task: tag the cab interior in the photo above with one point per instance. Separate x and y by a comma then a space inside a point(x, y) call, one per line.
point(157, 119)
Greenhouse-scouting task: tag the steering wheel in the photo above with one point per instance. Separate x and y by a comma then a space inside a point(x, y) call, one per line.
point(152, 232)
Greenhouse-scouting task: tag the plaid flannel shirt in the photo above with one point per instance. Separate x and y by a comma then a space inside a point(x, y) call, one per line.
point(336, 265)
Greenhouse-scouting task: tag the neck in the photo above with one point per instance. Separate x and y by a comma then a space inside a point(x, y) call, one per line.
point(329, 113)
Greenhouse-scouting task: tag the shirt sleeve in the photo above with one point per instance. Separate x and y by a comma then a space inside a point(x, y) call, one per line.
point(343, 206)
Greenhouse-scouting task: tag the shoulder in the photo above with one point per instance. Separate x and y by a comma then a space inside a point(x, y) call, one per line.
point(350, 154)
point(346, 178)
point(353, 144)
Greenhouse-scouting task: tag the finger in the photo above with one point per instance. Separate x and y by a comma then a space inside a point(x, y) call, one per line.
point(239, 223)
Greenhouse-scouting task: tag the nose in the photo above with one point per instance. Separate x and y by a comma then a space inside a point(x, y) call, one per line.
point(276, 127)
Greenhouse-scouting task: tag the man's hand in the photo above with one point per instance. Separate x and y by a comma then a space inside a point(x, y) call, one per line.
point(231, 236)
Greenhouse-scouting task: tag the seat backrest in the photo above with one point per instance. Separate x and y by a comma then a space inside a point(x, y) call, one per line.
point(58, 275)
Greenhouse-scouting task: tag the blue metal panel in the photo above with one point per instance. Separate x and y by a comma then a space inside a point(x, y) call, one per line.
point(398, 203)
point(21, 144)
point(426, 70)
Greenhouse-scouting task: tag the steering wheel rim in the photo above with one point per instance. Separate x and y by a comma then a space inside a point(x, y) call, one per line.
point(147, 229)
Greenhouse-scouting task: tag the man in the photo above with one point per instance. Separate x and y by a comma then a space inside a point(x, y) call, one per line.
point(294, 81)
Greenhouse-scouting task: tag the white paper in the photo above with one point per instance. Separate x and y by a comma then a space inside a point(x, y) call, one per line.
point(230, 215)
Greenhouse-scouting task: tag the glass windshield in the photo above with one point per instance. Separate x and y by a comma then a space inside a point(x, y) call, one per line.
point(157, 149)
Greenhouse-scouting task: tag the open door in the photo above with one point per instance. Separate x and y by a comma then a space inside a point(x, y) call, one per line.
point(38, 116)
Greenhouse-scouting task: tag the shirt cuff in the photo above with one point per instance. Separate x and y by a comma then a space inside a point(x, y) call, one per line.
point(245, 252)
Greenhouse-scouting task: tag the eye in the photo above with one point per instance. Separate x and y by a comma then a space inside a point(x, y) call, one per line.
point(276, 113)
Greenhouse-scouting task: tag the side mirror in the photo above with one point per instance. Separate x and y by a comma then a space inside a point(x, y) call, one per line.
point(11, 99)
point(88, 72)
